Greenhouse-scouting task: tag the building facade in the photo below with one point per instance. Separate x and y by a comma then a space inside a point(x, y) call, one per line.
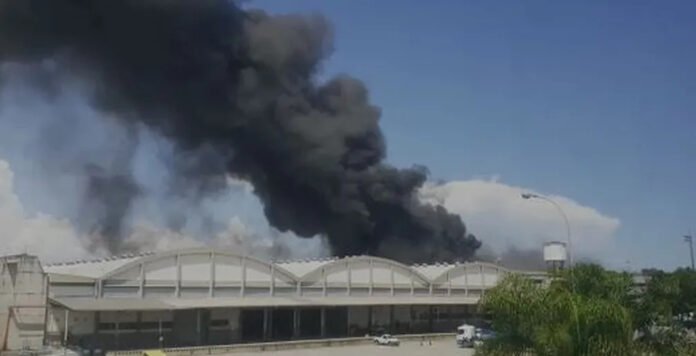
point(210, 296)
point(23, 302)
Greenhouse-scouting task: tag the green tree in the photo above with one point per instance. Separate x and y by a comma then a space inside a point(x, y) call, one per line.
point(554, 320)
point(668, 297)
point(591, 311)
point(686, 300)
point(593, 281)
point(659, 301)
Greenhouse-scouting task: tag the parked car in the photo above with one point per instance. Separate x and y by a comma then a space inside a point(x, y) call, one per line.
point(482, 335)
point(465, 335)
point(386, 340)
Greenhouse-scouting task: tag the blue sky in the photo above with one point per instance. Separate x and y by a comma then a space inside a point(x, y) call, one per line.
point(591, 100)
point(585, 101)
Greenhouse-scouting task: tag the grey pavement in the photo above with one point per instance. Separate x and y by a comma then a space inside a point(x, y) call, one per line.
point(411, 348)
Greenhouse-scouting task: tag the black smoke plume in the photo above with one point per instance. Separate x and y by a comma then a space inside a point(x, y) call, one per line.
point(210, 75)
point(108, 198)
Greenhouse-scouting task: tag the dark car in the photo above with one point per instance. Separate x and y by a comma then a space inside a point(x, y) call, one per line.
point(482, 335)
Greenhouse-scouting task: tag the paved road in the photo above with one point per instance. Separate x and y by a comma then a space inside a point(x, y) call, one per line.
point(413, 348)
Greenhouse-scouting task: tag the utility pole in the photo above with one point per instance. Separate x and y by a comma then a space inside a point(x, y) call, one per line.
point(690, 240)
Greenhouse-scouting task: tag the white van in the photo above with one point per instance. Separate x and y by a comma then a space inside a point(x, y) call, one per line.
point(465, 335)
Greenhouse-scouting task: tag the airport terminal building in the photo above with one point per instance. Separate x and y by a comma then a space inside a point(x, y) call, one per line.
point(210, 296)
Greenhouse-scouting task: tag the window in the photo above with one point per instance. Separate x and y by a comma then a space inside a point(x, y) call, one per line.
point(128, 326)
point(220, 324)
point(106, 326)
point(155, 325)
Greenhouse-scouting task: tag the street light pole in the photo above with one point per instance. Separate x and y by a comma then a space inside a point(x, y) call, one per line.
point(690, 240)
point(570, 251)
point(569, 240)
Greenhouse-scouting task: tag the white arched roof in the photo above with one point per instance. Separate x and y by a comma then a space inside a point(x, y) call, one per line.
point(129, 267)
point(301, 268)
point(348, 262)
point(135, 264)
point(462, 268)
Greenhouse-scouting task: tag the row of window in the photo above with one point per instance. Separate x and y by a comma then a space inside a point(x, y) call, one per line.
point(132, 326)
point(155, 325)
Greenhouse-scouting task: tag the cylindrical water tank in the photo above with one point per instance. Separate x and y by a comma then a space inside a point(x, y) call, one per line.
point(555, 254)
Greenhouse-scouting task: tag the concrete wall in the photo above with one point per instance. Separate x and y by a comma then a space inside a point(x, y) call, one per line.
point(79, 324)
point(126, 330)
point(23, 288)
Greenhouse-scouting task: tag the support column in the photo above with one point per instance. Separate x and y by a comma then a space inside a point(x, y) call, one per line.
point(177, 287)
point(391, 319)
point(369, 319)
point(372, 283)
point(412, 319)
point(466, 283)
point(449, 285)
point(296, 323)
point(198, 327)
point(141, 285)
point(211, 276)
point(348, 321)
point(266, 328)
point(240, 324)
point(391, 280)
point(160, 336)
point(244, 276)
point(413, 291)
point(138, 327)
point(323, 321)
point(349, 279)
point(430, 318)
point(65, 330)
point(270, 323)
point(118, 336)
point(95, 336)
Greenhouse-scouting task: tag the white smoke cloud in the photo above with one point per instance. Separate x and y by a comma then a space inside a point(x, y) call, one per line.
point(237, 236)
point(40, 234)
point(497, 215)
point(56, 239)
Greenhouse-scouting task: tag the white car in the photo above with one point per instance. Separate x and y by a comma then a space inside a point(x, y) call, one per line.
point(386, 340)
point(466, 335)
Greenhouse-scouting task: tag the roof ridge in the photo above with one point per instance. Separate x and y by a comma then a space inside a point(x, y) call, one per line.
point(306, 260)
point(99, 259)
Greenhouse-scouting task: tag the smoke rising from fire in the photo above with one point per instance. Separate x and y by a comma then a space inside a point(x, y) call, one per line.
point(236, 92)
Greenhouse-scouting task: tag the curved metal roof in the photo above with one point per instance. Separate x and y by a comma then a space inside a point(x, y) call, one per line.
point(292, 271)
point(443, 276)
point(302, 268)
point(197, 251)
point(346, 262)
